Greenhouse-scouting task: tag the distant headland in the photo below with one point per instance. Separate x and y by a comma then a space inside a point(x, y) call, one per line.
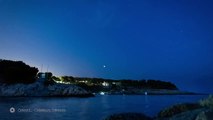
point(19, 79)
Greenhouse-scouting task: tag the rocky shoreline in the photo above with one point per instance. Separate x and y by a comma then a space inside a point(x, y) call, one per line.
point(202, 110)
point(39, 89)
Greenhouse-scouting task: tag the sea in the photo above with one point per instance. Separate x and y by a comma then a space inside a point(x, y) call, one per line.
point(92, 108)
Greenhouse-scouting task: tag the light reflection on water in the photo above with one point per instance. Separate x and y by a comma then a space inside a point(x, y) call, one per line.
point(94, 108)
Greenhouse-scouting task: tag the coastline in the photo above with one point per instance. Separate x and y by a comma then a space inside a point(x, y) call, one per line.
point(39, 89)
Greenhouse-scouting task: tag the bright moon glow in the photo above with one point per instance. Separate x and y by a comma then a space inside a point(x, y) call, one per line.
point(104, 66)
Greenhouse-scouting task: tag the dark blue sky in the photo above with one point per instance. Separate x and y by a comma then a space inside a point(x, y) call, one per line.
point(169, 40)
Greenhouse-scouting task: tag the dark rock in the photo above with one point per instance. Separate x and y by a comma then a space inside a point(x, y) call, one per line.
point(205, 115)
point(128, 116)
point(176, 109)
point(188, 115)
point(41, 90)
point(207, 102)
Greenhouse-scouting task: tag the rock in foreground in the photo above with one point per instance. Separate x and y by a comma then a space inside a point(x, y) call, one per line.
point(176, 109)
point(205, 115)
point(128, 116)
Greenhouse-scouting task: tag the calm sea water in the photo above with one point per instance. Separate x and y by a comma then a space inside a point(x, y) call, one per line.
point(94, 108)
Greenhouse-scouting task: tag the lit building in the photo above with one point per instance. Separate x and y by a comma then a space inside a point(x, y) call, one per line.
point(44, 76)
point(105, 84)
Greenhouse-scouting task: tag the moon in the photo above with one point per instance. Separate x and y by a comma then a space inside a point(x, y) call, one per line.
point(104, 66)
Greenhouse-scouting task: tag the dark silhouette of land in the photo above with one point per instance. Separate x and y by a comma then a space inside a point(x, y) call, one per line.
point(14, 72)
point(96, 85)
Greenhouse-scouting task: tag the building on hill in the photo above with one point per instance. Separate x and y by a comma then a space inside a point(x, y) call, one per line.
point(44, 76)
point(105, 84)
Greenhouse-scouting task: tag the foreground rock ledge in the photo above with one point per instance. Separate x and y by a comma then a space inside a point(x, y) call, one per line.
point(39, 89)
point(197, 114)
point(128, 116)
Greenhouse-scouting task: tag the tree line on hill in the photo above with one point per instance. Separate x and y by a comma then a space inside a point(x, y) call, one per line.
point(12, 72)
point(141, 84)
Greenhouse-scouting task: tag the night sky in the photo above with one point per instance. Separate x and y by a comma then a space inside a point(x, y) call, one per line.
point(170, 40)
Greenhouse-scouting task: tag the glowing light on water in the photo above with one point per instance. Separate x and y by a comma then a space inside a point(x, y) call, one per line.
point(102, 93)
